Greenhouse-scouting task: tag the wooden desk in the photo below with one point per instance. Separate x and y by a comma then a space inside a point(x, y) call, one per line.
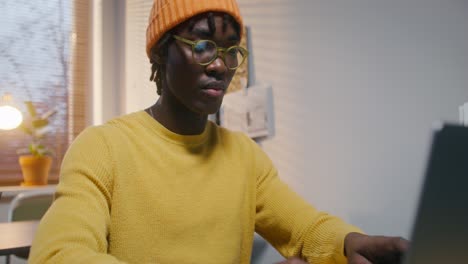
point(17, 237)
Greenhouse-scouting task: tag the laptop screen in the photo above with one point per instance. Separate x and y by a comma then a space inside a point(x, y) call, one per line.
point(440, 231)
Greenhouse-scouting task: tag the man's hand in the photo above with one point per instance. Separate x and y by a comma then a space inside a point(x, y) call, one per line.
point(363, 249)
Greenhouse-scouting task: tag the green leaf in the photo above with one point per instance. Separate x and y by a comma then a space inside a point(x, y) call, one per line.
point(49, 114)
point(32, 149)
point(26, 129)
point(31, 109)
point(38, 123)
point(41, 152)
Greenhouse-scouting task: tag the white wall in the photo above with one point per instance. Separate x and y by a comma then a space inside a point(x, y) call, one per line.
point(357, 87)
point(108, 64)
point(139, 92)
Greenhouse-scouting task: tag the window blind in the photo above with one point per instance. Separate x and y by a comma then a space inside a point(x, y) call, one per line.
point(44, 50)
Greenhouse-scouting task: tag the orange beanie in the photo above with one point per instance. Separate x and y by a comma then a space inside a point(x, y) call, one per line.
point(166, 14)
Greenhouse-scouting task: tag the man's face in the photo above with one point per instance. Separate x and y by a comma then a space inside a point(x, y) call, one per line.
point(199, 88)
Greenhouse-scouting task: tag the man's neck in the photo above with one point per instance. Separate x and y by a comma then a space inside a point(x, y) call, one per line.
point(178, 118)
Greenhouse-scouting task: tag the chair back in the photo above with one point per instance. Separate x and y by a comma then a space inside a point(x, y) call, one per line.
point(30, 205)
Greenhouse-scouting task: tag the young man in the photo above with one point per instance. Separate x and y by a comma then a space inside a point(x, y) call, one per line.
point(164, 185)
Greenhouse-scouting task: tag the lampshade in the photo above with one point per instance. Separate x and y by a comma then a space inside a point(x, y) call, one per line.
point(10, 117)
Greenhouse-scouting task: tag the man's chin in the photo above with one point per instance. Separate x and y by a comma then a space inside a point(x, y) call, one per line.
point(210, 109)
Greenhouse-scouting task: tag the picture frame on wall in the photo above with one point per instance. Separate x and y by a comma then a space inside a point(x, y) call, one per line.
point(250, 111)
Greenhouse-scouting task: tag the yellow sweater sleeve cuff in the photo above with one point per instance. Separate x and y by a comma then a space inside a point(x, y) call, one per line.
point(340, 257)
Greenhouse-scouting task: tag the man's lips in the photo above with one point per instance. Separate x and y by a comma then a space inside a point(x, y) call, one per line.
point(214, 89)
point(213, 92)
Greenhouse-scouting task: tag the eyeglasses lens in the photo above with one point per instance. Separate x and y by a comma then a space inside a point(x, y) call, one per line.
point(233, 57)
point(204, 51)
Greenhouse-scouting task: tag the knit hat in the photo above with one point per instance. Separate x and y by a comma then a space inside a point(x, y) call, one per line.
point(166, 14)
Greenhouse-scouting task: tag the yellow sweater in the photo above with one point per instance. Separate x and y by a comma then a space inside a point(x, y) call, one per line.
point(132, 191)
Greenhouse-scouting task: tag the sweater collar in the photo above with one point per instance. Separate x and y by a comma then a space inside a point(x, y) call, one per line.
point(170, 136)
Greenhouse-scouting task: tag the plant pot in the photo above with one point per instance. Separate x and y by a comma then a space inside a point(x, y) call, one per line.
point(35, 169)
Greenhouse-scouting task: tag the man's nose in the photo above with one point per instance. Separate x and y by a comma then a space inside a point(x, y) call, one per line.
point(218, 66)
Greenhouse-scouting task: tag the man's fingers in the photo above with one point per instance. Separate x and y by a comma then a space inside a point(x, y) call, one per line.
point(401, 244)
point(358, 259)
point(391, 244)
point(386, 249)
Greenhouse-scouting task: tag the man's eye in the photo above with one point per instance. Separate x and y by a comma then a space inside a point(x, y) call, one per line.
point(200, 47)
point(233, 52)
point(203, 46)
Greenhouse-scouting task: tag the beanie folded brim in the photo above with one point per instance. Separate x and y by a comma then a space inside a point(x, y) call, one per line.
point(167, 14)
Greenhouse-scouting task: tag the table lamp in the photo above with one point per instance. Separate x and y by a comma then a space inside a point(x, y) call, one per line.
point(10, 117)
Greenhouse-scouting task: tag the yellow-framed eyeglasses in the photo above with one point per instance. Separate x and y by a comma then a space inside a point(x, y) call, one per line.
point(206, 51)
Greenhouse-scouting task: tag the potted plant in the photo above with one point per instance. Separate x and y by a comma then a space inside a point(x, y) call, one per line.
point(36, 159)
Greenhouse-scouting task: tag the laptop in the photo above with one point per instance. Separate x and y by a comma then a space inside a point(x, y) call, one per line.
point(440, 230)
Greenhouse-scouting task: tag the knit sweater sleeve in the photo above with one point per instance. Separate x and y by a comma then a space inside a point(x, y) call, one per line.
point(75, 228)
point(290, 224)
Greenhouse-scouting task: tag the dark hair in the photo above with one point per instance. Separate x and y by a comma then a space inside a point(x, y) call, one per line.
point(158, 53)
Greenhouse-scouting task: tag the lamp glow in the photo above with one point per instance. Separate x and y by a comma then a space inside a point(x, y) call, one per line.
point(10, 117)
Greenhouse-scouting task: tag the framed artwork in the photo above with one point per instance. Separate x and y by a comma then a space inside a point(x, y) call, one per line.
point(249, 111)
